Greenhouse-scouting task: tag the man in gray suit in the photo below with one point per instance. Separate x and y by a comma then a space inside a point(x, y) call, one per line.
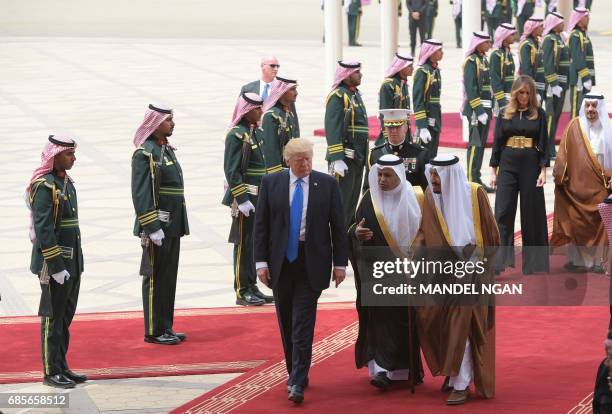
point(262, 87)
point(269, 69)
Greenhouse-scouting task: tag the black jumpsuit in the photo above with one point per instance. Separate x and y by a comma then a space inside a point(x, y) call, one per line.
point(518, 170)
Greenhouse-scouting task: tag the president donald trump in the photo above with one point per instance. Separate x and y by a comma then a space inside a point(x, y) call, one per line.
point(299, 233)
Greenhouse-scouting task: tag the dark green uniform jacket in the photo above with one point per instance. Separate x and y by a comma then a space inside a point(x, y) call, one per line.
point(556, 60)
point(239, 181)
point(171, 192)
point(532, 63)
point(356, 135)
point(279, 126)
point(426, 91)
point(477, 83)
point(502, 74)
point(582, 61)
point(63, 252)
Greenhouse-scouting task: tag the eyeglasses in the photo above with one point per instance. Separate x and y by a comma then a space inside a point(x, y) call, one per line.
point(274, 66)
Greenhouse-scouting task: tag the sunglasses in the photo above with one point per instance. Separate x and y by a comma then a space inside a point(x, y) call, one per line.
point(273, 66)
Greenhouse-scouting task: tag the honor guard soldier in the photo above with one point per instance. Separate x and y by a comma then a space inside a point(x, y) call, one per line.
point(354, 11)
point(531, 62)
point(426, 91)
point(413, 156)
point(346, 131)
point(57, 258)
point(280, 122)
point(587, 4)
point(393, 92)
point(161, 221)
point(582, 62)
point(502, 66)
point(477, 103)
point(556, 72)
point(244, 165)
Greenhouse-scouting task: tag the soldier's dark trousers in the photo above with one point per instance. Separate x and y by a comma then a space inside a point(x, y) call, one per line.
point(429, 27)
point(245, 275)
point(413, 25)
point(458, 26)
point(158, 290)
point(432, 146)
point(520, 23)
point(518, 172)
point(55, 333)
point(552, 121)
point(354, 21)
point(575, 101)
point(350, 188)
point(475, 151)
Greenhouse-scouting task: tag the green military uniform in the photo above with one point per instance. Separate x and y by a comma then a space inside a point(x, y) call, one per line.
point(393, 94)
point(495, 17)
point(347, 140)
point(243, 186)
point(556, 72)
point(53, 254)
point(502, 75)
point(531, 63)
point(526, 13)
point(168, 214)
point(279, 126)
point(354, 21)
point(477, 83)
point(414, 157)
point(426, 91)
point(582, 67)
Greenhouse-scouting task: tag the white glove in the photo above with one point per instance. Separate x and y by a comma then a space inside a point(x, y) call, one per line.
point(157, 237)
point(339, 167)
point(61, 277)
point(588, 85)
point(556, 90)
point(424, 135)
point(539, 98)
point(483, 118)
point(246, 208)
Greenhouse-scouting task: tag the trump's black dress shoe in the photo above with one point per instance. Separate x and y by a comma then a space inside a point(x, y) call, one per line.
point(181, 336)
point(304, 386)
point(296, 394)
point(77, 378)
point(164, 339)
point(249, 299)
point(381, 381)
point(261, 295)
point(58, 381)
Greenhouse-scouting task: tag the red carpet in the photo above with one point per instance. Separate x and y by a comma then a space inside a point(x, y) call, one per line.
point(452, 130)
point(546, 363)
point(110, 345)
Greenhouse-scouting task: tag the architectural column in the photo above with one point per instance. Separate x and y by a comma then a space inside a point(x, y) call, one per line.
point(333, 39)
point(388, 32)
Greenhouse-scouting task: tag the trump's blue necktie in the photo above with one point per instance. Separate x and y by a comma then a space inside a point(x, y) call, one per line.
point(295, 221)
point(264, 95)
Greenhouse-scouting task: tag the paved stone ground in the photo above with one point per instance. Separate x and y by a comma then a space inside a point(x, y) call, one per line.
point(65, 70)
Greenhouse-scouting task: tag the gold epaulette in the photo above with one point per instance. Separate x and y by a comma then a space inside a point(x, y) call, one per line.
point(334, 92)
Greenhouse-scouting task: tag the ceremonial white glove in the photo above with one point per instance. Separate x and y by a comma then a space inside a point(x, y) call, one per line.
point(339, 167)
point(588, 85)
point(483, 118)
point(539, 98)
point(246, 208)
point(556, 90)
point(61, 277)
point(425, 135)
point(157, 237)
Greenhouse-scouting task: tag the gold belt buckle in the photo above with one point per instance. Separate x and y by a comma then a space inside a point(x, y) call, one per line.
point(520, 142)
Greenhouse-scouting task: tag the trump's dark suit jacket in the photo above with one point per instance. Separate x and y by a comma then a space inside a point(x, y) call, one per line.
point(326, 242)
